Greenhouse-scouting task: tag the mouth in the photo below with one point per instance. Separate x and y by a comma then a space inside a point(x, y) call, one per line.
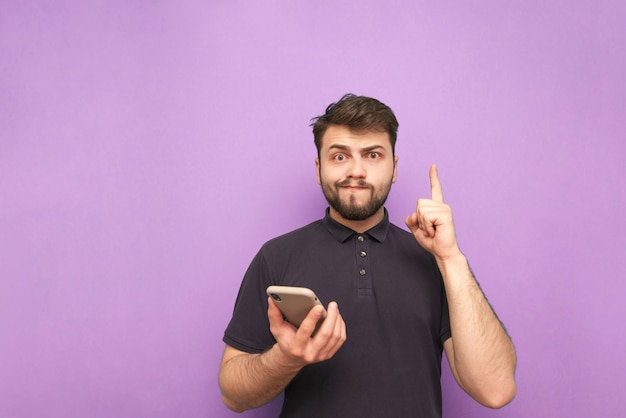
point(354, 188)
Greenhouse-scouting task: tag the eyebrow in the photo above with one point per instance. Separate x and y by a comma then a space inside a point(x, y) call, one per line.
point(346, 148)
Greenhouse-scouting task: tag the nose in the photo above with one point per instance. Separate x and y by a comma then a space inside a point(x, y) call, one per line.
point(356, 169)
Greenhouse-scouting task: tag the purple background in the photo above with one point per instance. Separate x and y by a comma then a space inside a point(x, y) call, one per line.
point(147, 150)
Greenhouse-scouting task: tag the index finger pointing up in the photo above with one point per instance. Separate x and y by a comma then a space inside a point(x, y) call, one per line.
point(435, 186)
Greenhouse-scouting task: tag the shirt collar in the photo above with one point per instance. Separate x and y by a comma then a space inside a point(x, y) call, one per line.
point(341, 232)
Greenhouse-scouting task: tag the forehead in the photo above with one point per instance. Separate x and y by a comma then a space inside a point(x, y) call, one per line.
point(342, 135)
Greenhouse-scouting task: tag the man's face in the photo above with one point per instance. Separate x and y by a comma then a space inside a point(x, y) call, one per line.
point(356, 170)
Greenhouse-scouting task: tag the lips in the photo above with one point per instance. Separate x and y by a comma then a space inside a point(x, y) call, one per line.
point(356, 186)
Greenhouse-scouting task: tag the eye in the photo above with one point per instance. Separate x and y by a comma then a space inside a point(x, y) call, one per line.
point(374, 155)
point(340, 157)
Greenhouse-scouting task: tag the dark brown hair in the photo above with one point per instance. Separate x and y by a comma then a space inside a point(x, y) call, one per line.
point(359, 113)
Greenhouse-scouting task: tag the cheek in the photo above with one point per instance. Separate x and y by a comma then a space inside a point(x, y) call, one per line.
point(383, 176)
point(327, 173)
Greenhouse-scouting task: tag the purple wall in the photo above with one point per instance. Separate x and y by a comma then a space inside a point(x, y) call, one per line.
point(147, 150)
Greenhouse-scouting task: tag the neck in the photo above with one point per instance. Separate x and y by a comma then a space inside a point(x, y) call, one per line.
point(359, 226)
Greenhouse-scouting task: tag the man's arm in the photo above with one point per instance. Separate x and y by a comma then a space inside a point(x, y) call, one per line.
point(480, 352)
point(250, 380)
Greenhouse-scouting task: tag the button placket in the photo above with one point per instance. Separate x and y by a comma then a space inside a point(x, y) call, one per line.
point(364, 281)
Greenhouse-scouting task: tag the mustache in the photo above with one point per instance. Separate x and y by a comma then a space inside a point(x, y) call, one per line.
point(348, 182)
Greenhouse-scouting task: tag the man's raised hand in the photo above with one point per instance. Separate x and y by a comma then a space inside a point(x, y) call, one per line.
point(432, 224)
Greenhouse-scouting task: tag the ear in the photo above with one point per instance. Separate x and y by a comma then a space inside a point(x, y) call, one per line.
point(395, 169)
point(317, 171)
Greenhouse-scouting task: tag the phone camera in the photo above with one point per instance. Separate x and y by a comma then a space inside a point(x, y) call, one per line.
point(276, 297)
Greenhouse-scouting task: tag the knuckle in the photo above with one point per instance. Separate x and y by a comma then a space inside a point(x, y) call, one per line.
point(310, 357)
point(297, 353)
point(324, 333)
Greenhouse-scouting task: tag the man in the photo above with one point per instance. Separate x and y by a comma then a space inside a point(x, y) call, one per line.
point(398, 298)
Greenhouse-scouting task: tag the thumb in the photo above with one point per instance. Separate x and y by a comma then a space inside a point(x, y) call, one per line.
point(273, 313)
point(411, 221)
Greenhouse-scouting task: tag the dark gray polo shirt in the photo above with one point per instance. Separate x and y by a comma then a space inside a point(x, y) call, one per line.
point(392, 299)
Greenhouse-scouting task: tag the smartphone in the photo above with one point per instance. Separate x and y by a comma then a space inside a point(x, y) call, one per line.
point(295, 303)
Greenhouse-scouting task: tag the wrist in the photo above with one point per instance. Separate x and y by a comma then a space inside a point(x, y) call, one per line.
point(279, 360)
point(454, 257)
point(455, 271)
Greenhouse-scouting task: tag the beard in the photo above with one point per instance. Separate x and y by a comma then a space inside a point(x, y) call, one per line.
point(350, 209)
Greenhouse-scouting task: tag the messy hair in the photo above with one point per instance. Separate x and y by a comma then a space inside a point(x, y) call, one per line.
point(358, 113)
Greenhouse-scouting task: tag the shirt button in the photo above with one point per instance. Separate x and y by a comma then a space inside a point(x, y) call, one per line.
point(363, 254)
point(360, 238)
point(362, 272)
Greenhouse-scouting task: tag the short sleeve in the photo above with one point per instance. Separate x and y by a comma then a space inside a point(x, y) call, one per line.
point(248, 329)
